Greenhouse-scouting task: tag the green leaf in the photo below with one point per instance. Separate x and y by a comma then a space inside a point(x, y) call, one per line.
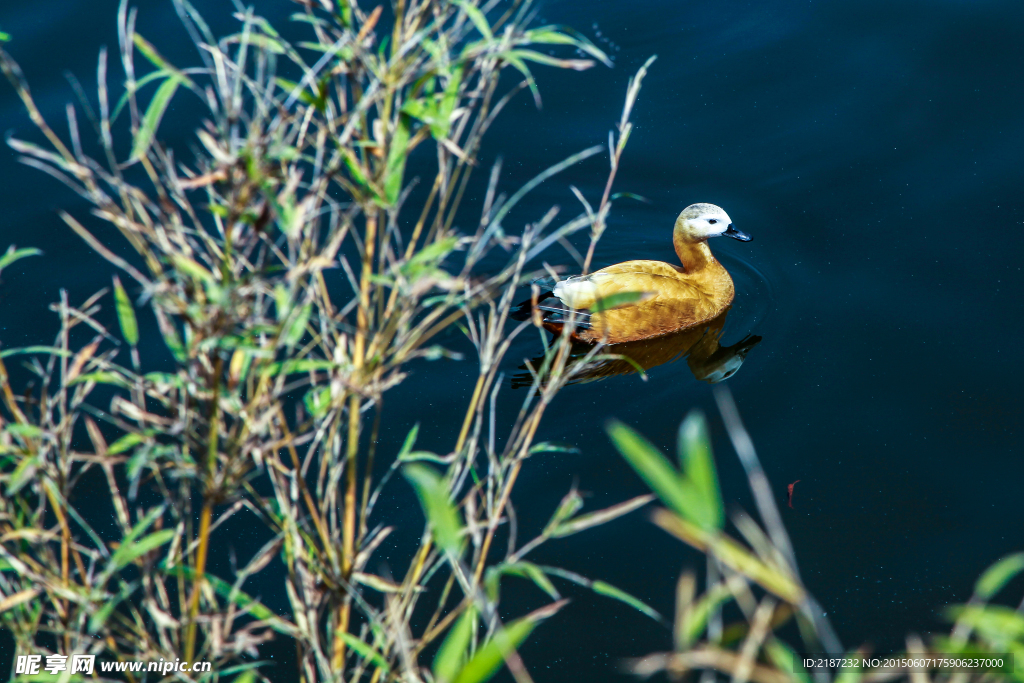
point(551, 447)
point(488, 659)
point(125, 314)
point(297, 327)
point(102, 377)
point(698, 465)
point(366, 651)
point(998, 575)
point(560, 35)
point(599, 517)
point(394, 170)
point(526, 570)
point(620, 299)
point(653, 468)
point(608, 590)
point(4, 37)
point(129, 552)
point(126, 442)
point(785, 659)
point(477, 17)
point(410, 441)
point(452, 654)
point(12, 255)
point(996, 623)
point(440, 513)
point(153, 116)
point(570, 505)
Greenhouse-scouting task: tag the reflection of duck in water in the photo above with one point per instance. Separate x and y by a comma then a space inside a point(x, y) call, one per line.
point(638, 300)
point(708, 360)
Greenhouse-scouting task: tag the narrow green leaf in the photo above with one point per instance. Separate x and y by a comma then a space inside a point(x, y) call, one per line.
point(620, 299)
point(126, 442)
point(452, 654)
point(102, 377)
point(599, 517)
point(654, 469)
point(125, 314)
point(297, 327)
point(608, 590)
point(570, 505)
point(12, 255)
point(786, 659)
point(394, 170)
point(551, 447)
point(698, 466)
point(477, 17)
point(488, 659)
point(129, 552)
point(440, 513)
point(526, 570)
point(22, 475)
point(998, 575)
point(410, 441)
point(154, 114)
point(366, 652)
point(50, 350)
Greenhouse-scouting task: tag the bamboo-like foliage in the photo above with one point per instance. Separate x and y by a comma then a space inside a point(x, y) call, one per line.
point(760, 583)
point(274, 401)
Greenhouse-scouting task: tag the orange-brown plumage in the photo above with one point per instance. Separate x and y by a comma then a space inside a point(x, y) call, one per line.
point(674, 297)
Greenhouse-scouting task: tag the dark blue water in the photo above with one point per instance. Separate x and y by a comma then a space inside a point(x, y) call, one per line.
point(873, 150)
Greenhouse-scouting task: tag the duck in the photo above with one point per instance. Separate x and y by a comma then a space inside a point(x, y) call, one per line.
point(636, 300)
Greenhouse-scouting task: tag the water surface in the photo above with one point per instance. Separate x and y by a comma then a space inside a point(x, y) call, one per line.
point(873, 150)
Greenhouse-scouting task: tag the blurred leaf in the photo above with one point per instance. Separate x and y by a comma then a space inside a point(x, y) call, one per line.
point(452, 654)
point(599, 517)
point(22, 475)
point(489, 657)
point(440, 513)
point(731, 554)
point(786, 660)
point(12, 255)
point(297, 327)
point(394, 170)
point(561, 35)
point(125, 442)
point(5, 37)
point(551, 447)
point(15, 599)
point(366, 652)
point(317, 401)
point(102, 377)
point(608, 590)
point(653, 468)
point(153, 116)
point(998, 575)
point(526, 570)
point(697, 614)
point(259, 40)
point(410, 441)
point(620, 299)
point(698, 466)
point(129, 552)
point(996, 623)
point(477, 17)
point(157, 60)
point(570, 505)
point(125, 314)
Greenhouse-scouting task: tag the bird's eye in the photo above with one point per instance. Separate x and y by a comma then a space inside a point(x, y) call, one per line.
point(712, 221)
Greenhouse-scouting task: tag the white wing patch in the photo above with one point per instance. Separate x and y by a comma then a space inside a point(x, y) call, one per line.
point(578, 292)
